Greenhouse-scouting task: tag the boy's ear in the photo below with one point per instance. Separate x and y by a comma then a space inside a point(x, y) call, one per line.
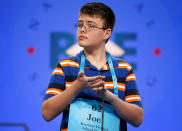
point(107, 34)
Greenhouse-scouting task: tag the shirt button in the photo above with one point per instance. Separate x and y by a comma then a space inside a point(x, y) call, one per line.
point(98, 73)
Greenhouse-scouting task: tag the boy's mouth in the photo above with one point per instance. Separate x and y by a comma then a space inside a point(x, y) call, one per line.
point(81, 37)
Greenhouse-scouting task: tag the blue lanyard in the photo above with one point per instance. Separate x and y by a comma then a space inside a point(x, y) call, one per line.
point(114, 78)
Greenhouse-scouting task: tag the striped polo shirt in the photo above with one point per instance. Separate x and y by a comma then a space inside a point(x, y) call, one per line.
point(66, 73)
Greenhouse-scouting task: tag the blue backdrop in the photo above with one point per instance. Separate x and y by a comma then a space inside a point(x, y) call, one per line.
point(35, 34)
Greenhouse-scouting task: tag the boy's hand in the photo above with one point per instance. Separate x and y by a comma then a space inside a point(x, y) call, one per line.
point(94, 83)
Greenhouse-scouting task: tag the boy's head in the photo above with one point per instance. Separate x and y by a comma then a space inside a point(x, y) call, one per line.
point(100, 10)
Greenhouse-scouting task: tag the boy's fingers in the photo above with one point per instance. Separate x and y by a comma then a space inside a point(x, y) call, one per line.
point(97, 88)
point(102, 77)
point(95, 81)
point(97, 84)
point(93, 78)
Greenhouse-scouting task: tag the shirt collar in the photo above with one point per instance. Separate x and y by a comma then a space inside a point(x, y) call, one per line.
point(87, 63)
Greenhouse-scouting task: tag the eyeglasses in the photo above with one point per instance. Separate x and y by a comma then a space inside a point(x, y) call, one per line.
point(87, 27)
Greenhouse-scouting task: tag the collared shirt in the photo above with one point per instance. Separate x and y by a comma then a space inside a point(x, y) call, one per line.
point(66, 73)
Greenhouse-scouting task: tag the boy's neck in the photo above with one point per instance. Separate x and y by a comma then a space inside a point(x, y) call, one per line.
point(96, 57)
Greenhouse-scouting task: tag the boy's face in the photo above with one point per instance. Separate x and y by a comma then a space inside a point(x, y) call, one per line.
point(89, 32)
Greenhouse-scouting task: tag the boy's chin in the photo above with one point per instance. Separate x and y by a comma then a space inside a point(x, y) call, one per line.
point(82, 44)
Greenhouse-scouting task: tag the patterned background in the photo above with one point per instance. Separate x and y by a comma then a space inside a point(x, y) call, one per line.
point(148, 31)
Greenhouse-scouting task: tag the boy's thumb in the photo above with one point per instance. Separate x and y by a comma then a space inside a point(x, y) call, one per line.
point(81, 74)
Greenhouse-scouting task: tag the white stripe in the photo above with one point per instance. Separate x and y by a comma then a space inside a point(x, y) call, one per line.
point(57, 92)
point(128, 66)
point(109, 85)
point(68, 85)
point(132, 98)
point(129, 77)
point(60, 71)
point(105, 67)
point(123, 87)
point(68, 62)
point(120, 86)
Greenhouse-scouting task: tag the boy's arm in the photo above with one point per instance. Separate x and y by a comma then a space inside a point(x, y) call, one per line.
point(130, 109)
point(57, 104)
point(127, 111)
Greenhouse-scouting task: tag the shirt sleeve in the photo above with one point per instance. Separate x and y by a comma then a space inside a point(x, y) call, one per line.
point(57, 82)
point(132, 93)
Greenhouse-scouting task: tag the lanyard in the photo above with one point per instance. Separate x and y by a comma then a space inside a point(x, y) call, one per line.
point(82, 65)
point(114, 78)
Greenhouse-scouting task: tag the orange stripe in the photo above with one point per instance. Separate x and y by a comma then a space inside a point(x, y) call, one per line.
point(69, 64)
point(107, 67)
point(121, 84)
point(69, 61)
point(124, 66)
point(59, 73)
point(108, 82)
point(130, 75)
point(68, 83)
point(72, 65)
point(109, 87)
point(53, 93)
point(112, 87)
point(112, 83)
point(55, 89)
point(64, 130)
point(57, 68)
point(103, 68)
point(131, 79)
point(131, 96)
point(133, 100)
point(121, 89)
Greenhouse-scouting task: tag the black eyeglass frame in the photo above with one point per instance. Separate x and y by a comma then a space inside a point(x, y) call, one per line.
point(77, 27)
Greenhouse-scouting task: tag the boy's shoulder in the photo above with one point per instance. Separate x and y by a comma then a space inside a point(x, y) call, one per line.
point(72, 61)
point(70, 58)
point(122, 63)
point(119, 60)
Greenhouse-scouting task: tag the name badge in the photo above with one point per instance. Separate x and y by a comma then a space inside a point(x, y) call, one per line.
point(86, 115)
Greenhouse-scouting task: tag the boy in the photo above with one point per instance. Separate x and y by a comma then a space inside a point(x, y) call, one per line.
point(91, 76)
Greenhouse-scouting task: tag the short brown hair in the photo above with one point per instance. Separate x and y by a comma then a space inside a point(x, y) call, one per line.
point(101, 10)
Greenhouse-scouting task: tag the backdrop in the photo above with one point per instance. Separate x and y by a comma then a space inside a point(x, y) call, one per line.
point(35, 34)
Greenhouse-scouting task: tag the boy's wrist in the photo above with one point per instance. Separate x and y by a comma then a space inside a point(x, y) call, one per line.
point(109, 96)
point(77, 85)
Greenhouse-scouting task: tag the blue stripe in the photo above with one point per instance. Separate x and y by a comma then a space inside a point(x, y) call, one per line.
point(58, 79)
point(47, 96)
point(131, 85)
